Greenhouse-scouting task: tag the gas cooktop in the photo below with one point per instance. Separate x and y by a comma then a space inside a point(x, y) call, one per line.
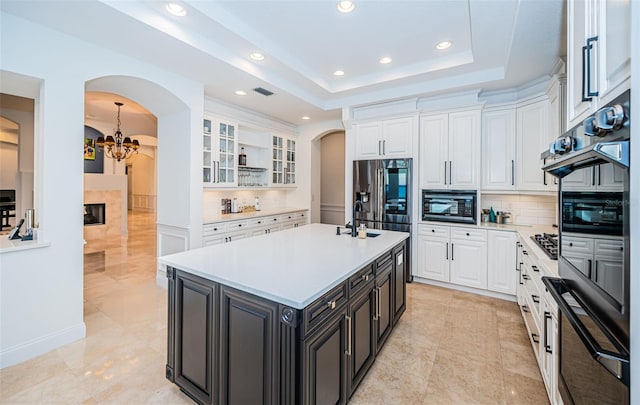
point(548, 242)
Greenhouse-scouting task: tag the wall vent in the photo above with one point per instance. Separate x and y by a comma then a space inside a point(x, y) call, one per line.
point(263, 91)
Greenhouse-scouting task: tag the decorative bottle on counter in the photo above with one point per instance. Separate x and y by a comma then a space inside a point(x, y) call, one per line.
point(242, 158)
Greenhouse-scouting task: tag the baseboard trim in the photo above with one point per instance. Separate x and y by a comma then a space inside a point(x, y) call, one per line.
point(36, 347)
point(486, 293)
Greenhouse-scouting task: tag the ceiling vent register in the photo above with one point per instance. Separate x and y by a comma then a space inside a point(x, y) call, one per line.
point(263, 91)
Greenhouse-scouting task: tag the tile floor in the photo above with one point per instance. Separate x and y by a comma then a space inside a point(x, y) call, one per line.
point(449, 347)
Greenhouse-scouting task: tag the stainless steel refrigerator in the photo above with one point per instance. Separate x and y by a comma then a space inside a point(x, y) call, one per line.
point(385, 190)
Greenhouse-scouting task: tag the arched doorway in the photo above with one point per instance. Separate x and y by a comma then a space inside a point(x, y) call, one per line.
point(332, 178)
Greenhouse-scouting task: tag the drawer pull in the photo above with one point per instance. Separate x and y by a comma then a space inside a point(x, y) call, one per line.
point(467, 233)
point(524, 252)
point(365, 277)
point(534, 337)
point(526, 277)
point(535, 268)
point(535, 298)
point(331, 304)
point(259, 222)
point(433, 230)
point(215, 229)
point(275, 219)
point(525, 308)
point(239, 225)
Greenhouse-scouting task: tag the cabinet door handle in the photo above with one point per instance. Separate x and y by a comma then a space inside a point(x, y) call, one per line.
point(547, 346)
point(384, 147)
point(375, 304)
point(589, 263)
point(452, 252)
point(378, 305)
point(513, 172)
point(595, 272)
point(379, 147)
point(450, 172)
point(447, 252)
point(584, 74)
point(445, 172)
point(593, 175)
point(599, 175)
point(348, 319)
point(590, 42)
point(519, 268)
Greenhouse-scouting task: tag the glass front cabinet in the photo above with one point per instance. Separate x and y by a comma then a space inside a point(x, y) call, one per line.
point(219, 153)
point(283, 161)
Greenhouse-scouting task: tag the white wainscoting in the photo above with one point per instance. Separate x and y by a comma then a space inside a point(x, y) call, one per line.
point(171, 239)
point(332, 214)
point(143, 202)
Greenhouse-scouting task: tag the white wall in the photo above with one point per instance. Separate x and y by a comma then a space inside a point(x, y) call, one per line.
point(41, 289)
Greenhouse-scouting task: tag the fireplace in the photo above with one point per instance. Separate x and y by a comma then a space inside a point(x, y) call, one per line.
point(94, 214)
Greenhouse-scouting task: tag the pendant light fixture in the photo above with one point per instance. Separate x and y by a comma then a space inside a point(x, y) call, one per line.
point(115, 146)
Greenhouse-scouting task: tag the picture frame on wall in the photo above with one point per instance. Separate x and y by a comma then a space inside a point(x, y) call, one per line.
point(89, 149)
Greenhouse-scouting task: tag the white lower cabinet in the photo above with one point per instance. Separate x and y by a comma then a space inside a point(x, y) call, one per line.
point(229, 231)
point(540, 314)
point(501, 261)
point(453, 254)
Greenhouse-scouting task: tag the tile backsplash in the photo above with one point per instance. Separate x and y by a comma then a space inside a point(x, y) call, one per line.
point(268, 199)
point(525, 209)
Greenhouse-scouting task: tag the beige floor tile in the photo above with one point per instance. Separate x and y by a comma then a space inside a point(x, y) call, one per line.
point(520, 390)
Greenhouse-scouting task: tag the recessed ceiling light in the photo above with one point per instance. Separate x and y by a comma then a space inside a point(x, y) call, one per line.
point(241, 93)
point(256, 56)
point(306, 118)
point(176, 9)
point(338, 73)
point(443, 45)
point(346, 6)
point(385, 60)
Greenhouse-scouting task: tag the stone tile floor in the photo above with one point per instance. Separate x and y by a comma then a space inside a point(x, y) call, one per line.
point(449, 347)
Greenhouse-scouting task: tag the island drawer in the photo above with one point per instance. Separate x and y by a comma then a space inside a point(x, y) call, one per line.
point(361, 280)
point(322, 308)
point(384, 261)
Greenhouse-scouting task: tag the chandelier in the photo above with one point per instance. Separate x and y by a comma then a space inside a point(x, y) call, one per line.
point(115, 146)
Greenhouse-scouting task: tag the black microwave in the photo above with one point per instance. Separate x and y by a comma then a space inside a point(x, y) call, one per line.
point(457, 206)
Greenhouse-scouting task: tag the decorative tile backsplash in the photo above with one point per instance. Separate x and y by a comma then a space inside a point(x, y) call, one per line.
point(268, 199)
point(525, 209)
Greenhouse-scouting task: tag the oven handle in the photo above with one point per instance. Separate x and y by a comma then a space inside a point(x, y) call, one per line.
point(616, 363)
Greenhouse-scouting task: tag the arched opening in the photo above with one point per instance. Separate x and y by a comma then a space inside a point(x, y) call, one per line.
point(332, 178)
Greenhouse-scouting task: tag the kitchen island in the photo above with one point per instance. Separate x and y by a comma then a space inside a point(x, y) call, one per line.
point(294, 317)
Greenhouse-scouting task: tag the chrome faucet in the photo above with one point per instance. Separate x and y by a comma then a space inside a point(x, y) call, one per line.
point(354, 227)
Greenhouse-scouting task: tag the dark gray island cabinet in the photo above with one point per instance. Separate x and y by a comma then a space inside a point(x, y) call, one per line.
point(230, 346)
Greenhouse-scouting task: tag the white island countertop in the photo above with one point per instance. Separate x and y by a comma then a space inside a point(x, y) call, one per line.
point(292, 267)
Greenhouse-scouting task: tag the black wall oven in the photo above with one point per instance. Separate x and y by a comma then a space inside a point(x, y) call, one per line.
point(449, 206)
point(592, 292)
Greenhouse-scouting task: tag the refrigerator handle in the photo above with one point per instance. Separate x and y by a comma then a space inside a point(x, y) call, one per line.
point(380, 196)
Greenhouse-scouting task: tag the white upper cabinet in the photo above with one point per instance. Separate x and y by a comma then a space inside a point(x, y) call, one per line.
point(385, 139)
point(598, 54)
point(434, 144)
point(220, 148)
point(532, 127)
point(499, 149)
point(450, 150)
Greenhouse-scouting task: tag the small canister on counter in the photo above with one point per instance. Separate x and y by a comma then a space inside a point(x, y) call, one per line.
point(507, 218)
